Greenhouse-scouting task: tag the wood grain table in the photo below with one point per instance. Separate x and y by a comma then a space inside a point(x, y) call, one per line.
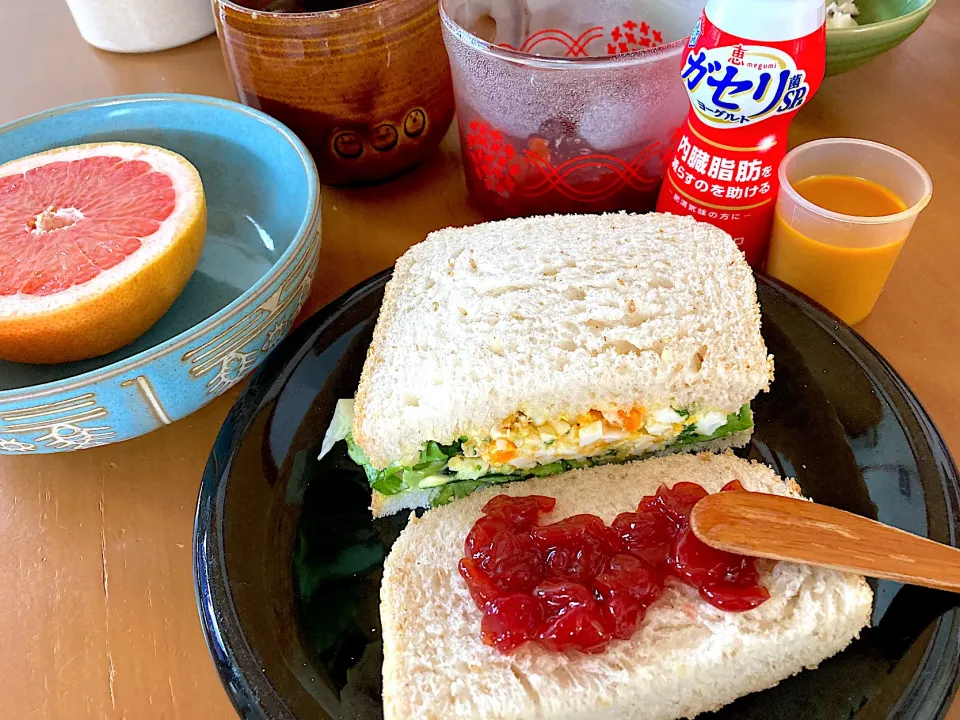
point(97, 613)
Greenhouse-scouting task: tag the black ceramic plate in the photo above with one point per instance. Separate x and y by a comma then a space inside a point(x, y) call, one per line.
point(288, 560)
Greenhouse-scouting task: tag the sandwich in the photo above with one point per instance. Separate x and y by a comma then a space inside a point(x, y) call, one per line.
point(525, 348)
point(684, 657)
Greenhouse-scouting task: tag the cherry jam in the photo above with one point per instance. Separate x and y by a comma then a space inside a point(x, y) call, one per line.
point(578, 583)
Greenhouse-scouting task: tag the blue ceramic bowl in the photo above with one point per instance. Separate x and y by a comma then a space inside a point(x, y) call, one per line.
point(263, 202)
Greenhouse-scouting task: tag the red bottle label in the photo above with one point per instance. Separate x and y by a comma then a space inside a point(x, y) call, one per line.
point(743, 96)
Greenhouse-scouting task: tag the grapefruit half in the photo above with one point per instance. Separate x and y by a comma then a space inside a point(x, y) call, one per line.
point(96, 242)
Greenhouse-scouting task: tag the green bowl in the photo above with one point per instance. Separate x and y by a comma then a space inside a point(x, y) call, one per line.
point(884, 24)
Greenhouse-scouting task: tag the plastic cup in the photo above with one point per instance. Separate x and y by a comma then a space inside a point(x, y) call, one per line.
point(843, 261)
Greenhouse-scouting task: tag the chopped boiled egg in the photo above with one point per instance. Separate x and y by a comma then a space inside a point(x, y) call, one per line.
point(498, 432)
point(504, 451)
point(547, 434)
point(522, 462)
point(642, 444)
point(664, 422)
point(464, 468)
point(589, 434)
point(667, 416)
point(520, 443)
point(709, 423)
point(612, 433)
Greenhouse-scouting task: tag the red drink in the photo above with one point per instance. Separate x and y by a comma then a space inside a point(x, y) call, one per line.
point(555, 170)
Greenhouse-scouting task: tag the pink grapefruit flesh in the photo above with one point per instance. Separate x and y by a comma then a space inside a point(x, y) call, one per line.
point(96, 242)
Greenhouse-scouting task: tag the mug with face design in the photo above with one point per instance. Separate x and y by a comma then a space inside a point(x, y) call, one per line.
point(366, 86)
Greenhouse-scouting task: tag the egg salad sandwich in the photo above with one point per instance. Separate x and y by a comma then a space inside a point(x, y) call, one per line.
point(525, 348)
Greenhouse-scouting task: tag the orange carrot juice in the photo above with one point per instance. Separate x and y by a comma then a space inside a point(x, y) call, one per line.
point(834, 268)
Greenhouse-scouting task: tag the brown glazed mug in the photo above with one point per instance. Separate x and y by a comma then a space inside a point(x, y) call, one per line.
point(367, 88)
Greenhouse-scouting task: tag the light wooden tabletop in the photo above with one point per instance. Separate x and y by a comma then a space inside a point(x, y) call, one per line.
point(97, 613)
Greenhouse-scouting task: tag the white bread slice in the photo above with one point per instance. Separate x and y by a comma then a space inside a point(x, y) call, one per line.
point(554, 316)
point(686, 658)
point(383, 505)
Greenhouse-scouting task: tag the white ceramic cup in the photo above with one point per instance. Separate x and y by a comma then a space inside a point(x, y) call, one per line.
point(136, 26)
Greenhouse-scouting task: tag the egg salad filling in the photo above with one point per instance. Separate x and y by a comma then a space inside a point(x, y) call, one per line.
point(518, 444)
point(519, 448)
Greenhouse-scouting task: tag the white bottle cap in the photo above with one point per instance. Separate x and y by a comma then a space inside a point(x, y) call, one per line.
point(767, 20)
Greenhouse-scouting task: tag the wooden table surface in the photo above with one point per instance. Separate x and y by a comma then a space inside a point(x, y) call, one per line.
point(97, 613)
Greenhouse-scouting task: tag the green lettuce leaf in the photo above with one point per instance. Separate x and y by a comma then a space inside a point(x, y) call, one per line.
point(340, 425)
point(412, 477)
point(431, 453)
point(548, 469)
point(456, 490)
point(461, 488)
point(388, 482)
point(396, 478)
point(736, 422)
point(453, 449)
point(357, 454)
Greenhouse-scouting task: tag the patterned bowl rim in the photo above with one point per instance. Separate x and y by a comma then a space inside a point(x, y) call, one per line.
point(871, 27)
point(303, 238)
point(592, 62)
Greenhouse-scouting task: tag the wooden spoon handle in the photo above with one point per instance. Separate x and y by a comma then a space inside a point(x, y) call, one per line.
point(781, 528)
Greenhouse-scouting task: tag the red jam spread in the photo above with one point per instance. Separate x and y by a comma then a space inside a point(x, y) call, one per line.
point(578, 583)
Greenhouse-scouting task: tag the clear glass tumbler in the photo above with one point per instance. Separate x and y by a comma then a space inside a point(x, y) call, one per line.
point(843, 261)
point(567, 106)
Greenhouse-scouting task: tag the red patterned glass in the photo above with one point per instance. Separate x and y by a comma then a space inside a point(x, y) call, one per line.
point(566, 106)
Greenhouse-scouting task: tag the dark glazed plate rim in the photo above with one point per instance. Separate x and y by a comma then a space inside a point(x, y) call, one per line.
point(239, 670)
point(249, 690)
